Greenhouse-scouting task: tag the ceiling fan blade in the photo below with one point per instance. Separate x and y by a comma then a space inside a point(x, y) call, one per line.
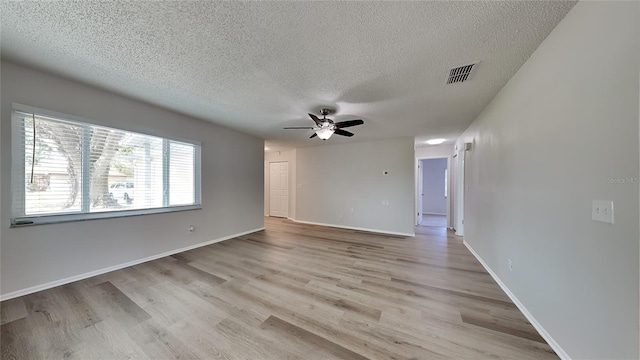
point(316, 120)
point(299, 127)
point(314, 135)
point(343, 132)
point(348, 123)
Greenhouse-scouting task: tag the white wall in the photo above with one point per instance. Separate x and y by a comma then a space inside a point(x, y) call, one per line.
point(434, 200)
point(280, 156)
point(435, 151)
point(338, 178)
point(232, 187)
point(547, 145)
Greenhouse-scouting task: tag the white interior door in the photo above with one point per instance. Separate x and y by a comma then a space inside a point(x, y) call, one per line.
point(279, 189)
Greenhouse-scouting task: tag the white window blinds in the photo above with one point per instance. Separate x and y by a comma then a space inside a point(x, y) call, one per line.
point(65, 169)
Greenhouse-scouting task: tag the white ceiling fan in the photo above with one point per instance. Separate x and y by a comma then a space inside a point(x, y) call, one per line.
point(326, 127)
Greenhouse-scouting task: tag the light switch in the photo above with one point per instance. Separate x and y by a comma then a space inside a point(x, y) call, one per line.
point(602, 210)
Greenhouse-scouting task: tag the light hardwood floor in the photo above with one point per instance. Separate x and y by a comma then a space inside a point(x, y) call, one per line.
point(290, 292)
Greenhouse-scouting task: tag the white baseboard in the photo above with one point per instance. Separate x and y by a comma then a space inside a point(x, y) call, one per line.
point(355, 228)
point(545, 335)
point(74, 278)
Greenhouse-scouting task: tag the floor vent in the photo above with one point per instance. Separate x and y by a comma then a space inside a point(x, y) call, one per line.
point(460, 74)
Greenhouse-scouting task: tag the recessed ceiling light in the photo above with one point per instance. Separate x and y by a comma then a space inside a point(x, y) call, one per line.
point(435, 141)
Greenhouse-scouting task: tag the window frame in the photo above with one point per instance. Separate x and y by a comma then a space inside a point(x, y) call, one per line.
point(18, 165)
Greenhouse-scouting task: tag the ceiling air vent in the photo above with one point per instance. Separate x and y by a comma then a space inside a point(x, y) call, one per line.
point(460, 74)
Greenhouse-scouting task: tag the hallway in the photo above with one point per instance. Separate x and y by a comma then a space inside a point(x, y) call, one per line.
point(434, 220)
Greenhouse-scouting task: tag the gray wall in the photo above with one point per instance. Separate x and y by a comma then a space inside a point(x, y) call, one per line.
point(232, 187)
point(434, 200)
point(334, 179)
point(561, 133)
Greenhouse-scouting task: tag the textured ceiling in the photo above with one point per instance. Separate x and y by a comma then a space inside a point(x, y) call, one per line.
point(259, 66)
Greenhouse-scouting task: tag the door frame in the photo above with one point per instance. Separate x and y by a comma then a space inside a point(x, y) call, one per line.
point(458, 218)
point(418, 196)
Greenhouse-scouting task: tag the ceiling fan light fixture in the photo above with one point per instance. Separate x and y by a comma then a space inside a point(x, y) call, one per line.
point(435, 141)
point(325, 128)
point(324, 133)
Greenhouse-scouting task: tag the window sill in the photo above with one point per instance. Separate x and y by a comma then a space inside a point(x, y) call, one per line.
point(55, 219)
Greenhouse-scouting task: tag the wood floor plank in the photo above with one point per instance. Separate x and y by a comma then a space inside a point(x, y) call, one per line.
point(455, 292)
point(314, 342)
point(320, 297)
point(206, 342)
point(235, 307)
point(110, 302)
point(291, 291)
point(496, 326)
point(181, 272)
point(178, 303)
point(106, 340)
point(359, 343)
point(158, 342)
point(12, 310)
point(79, 310)
point(14, 340)
point(251, 340)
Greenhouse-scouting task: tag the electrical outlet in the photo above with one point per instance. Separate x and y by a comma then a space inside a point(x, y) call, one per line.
point(510, 265)
point(602, 210)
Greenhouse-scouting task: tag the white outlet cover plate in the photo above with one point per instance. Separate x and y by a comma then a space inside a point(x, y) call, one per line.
point(602, 210)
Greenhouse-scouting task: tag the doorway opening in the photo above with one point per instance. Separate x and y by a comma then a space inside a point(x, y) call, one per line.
point(433, 199)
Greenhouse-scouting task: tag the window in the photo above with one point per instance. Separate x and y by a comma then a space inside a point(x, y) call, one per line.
point(65, 169)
